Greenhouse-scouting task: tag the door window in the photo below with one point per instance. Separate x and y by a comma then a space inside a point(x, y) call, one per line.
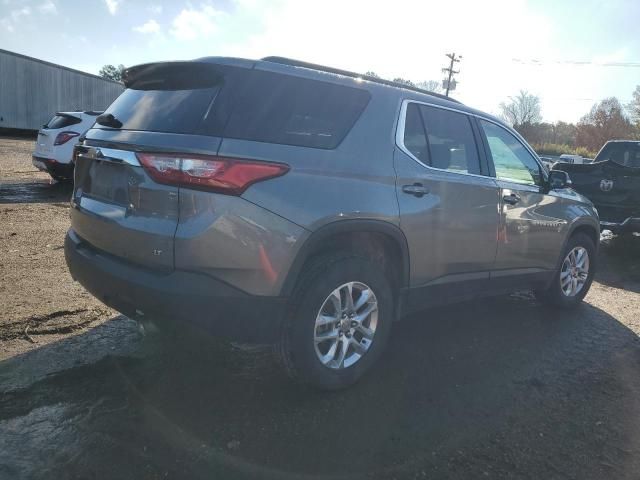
point(441, 138)
point(511, 159)
point(451, 141)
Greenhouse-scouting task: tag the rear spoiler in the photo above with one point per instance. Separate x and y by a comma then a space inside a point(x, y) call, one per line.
point(176, 75)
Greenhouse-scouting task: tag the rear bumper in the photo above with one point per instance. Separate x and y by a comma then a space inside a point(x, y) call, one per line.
point(176, 297)
point(629, 225)
point(53, 167)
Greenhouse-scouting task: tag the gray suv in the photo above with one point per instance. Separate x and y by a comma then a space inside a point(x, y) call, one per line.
point(282, 202)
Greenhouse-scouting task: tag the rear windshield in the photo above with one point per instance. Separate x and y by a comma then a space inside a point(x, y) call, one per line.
point(171, 111)
point(238, 103)
point(170, 97)
point(62, 121)
point(626, 154)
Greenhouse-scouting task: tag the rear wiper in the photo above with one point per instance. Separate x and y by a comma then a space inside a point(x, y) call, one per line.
point(108, 120)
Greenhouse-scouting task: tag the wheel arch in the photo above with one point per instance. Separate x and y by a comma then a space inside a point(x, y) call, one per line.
point(342, 234)
point(588, 228)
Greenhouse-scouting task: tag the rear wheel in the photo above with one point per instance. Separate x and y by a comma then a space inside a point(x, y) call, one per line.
point(339, 322)
point(574, 276)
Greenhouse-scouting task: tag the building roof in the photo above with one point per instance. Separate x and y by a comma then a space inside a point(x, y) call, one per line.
point(50, 64)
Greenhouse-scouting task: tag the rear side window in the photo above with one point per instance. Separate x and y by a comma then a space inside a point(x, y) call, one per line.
point(441, 138)
point(62, 121)
point(290, 110)
point(626, 154)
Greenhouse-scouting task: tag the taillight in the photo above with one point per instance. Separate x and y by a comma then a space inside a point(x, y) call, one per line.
point(220, 174)
point(64, 137)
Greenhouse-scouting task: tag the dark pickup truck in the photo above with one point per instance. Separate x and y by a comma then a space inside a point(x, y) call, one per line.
point(612, 183)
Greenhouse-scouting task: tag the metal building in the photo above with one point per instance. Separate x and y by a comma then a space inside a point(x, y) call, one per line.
point(32, 90)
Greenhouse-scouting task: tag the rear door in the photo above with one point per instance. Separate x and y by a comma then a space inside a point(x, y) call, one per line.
point(118, 207)
point(448, 205)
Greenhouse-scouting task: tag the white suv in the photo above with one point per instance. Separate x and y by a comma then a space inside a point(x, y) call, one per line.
point(56, 138)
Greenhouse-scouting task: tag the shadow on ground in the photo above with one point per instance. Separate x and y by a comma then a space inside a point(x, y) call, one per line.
point(619, 262)
point(40, 191)
point(499, 387)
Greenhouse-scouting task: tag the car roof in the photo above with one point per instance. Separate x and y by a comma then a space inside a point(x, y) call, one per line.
point(297, 67)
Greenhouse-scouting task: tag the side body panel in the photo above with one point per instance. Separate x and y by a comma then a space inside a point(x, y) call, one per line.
point(354, 181)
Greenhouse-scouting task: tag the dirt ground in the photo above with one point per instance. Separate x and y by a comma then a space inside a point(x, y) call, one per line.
point(496, 388)
point(37, 292)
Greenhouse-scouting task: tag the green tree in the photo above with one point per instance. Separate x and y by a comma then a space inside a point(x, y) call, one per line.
point(112, 72)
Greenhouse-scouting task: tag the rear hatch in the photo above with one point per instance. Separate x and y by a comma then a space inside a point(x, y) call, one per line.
point(118, 207)
point(47, 135)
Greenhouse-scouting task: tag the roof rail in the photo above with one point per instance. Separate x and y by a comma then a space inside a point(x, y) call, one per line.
point(347, 73)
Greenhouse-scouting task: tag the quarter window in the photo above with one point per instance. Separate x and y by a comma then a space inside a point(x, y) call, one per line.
point(511, 159)
point(415, 139)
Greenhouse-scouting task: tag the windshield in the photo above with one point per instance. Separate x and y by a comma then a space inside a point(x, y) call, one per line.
point(626, 154)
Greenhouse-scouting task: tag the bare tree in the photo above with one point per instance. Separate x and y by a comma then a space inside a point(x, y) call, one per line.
point(404, 81)
point(634, 106)
point(431, 86)
point(521, 110)
point(371, 73)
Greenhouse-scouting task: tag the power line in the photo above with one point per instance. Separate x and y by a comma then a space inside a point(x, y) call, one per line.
point(537, 62)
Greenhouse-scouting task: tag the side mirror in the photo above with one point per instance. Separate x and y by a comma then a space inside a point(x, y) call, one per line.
point(559, 179)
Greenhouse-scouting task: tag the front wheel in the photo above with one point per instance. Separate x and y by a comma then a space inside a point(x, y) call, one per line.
point(339, 322)
point(573, 278)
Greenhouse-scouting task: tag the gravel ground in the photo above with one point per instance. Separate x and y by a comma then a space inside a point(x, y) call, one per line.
point(496, 388)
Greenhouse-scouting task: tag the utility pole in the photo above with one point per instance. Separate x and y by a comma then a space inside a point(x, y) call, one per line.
point(450, 72)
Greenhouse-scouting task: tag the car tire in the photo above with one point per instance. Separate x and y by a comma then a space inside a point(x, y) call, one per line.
point(307, 358)
point(561, 291)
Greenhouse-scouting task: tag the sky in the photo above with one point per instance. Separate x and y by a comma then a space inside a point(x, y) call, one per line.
point(569, 53)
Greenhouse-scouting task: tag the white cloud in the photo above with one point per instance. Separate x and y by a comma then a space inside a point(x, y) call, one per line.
point(15, 17)
point(112, 6)
point(48, 7)
point(195, 23)
point(151, 26)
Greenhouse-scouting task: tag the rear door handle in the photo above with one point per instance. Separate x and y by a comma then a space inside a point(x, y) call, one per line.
point(417, 190)
point(511, 199)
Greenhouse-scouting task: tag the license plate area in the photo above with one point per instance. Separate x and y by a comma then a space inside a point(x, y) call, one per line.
point(108, 181)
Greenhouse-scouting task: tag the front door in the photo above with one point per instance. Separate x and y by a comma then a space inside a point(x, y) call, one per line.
point(529, 239)
point(448, 208)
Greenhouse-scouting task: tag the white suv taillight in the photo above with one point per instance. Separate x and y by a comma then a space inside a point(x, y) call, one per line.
point(220, 174)
point(64, 137)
